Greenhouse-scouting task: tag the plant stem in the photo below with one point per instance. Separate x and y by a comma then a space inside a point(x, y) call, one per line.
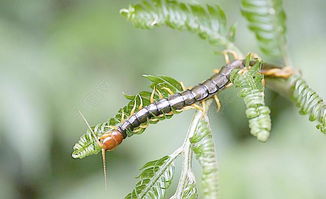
point(187, 163)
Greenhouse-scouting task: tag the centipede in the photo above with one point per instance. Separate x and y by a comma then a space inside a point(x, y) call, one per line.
point(165, 106)
point(164, 102)
point(169, 97)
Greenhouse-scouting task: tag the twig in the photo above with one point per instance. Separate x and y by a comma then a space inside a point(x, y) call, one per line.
point(187, 163)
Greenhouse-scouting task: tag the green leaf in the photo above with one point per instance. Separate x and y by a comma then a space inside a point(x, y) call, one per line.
point(163, 83)
point(87, 145)
point(208, 22)
point(309, 102)
point(267, 19)
point(190, 190)
point(204, 149)
point(252, 92)
point(155, 178)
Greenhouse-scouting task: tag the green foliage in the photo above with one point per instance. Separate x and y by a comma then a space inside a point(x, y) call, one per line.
point(309, 102)
point(86, 144)
point(208, 22)
point(267, 20)
point(163, 85)
point(203, 147)
point(249, 81)
point(190, 190)
point(155, 178)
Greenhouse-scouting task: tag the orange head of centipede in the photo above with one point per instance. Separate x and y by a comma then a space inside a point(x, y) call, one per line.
point(110, 140)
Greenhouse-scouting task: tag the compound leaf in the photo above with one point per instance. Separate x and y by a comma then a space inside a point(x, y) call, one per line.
point(267, 20)
point(208, 22)
point(155, 178)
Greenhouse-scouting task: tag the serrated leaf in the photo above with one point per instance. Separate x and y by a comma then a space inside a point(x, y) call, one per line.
point(267, 19)
point(204, 150)
point(208, 22)
point(155, 178)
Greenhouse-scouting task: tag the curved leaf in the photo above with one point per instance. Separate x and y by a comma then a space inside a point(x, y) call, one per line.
point(267, 19)
point(204, 149)
point(252, 91)
point(207, 22)
point(309, 102)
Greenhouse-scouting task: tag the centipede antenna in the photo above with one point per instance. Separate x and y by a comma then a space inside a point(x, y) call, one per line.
point(103, 150)
point(89, 127)
point(104, 169)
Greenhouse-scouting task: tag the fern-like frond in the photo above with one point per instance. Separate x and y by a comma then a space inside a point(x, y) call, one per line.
point(163, 87)
point(204, 149)
point(155, 178)
point(267, 20)
point(309, 102)
point(190, 189)
point(252, 91)
point(86, 144)
point(208, 22)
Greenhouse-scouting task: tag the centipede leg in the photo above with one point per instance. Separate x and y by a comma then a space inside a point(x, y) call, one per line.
point(152, 100)
point(133, 108)
point(234, 54)
point(159, 94)
point(195, 106)
point(228, 85)
point(226, 57)
point(122, 116)
point(168, 90)
point(254, 56)
point(218, 103)
point(285, 72)
point(183, 86)
point(203, 103)
point(113, 127)
point(141, 103)
point(187, 108)
point(216, 71)
point(143, 126)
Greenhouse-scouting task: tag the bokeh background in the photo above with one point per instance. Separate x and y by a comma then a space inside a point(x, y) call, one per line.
point(61, 56)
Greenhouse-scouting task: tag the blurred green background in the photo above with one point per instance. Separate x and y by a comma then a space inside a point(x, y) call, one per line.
point(61, 56)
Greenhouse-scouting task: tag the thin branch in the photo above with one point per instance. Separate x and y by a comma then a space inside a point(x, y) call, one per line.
point(187, 163)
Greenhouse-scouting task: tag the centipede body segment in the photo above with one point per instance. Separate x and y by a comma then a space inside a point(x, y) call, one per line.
point(175, 102)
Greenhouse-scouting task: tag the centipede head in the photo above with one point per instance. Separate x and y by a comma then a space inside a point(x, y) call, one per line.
point(110, 140)
point(107, 141)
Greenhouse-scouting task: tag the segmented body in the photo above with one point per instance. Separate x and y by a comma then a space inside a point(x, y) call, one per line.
point(172, 103)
